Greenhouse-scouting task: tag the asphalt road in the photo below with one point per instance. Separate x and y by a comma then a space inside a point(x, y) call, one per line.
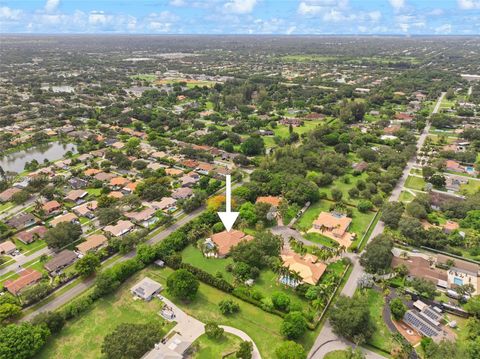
point(327, 340)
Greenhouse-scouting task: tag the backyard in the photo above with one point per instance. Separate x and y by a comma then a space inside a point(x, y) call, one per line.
point(216, 348)
point(83, 337)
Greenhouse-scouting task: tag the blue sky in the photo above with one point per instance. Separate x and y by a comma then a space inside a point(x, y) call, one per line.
point(403, 17)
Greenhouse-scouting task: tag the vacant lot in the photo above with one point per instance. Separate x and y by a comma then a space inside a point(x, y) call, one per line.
point(83, 337)
point(213, 348)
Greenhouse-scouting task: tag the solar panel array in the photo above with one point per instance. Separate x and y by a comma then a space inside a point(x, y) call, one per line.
point(419, 324)
point(431, 314)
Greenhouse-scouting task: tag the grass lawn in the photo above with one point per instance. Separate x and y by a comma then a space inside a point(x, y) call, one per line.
point(267, 283)
point(83, 337)
point(414, 182)
point(283, 130)
point(381, 338)
point(471, 187)
point(262, 327)
point(345, 187)
point(94, 191)
point(213, 348)
point(145, 77)
point(5, 206)
point(9, 275)
point(306, 220)
point(337, 354)
point(406, 196)
point(28, 249)
point(320, 239)
point(195, 257)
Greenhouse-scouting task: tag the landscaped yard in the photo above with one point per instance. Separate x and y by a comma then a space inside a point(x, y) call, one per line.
point(471, 187)
point(283, 130)
point(382, 337)
point(83, 337)
point(264, 332)
point(415, 182)
point(213, 348)
point(406, 196)
point(196, 258)
point(320, 239)
point(28, 249)
point(359, 225)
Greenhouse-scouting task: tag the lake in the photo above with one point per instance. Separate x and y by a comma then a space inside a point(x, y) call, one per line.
point(52, 151)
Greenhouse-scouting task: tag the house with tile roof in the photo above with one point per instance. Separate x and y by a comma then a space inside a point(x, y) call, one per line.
point(220, 244)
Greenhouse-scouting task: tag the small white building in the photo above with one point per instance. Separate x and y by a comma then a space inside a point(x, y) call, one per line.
point(146, 289)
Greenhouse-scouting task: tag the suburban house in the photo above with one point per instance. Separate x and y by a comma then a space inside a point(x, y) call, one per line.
point(104, 177)
point(116, 194)
point(92, 243)
point(173, 172)
point(77, 183)
point(27, 278)
point(22, 220)
point(182, 193)
point(307, 267)
point(122, 227)
point(176, 347)
point(146, 289)
point(274, 203)
point(130, 187)
point(76, 195)
point(67, 217)
point(187, 181)
point(204, 168)
point(91, 172)
point(166, 204)
point(51, 207)
point(7, 247)
point(143, 218)
point(450, 227)
point(446, 272)
point(426, 321)
point(460, 272)
point(220, 244)
point(454, 166)
point(30, 235)
point(7, 195)
point(86, 209)
point(454, 182)
point(60, 261)
point(118, 182)
point(335, 226)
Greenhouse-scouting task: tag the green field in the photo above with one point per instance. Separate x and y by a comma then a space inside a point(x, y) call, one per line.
point(266, 283)
point(337, 354)
point(215, 348)
point(264, 332)
point(318, 238)
point(283, 130)
point(28, 249)
point(195, 257)
point(144, 77)
point(406, 197)
point(381, 338)
point(414, 182)
point(470, 188)
point(83, 337)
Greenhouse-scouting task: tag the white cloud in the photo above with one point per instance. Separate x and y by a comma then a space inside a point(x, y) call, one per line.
point(162, 22)
point(306, 9)
point(375, 15)
point(468, 4)
point(240, 6)
point(397, 4)
point(290, 30)
point(9, 14)
point(436, 12)
point(178, 2)
point(51, 5)
point(96, 18)
point(443, 29)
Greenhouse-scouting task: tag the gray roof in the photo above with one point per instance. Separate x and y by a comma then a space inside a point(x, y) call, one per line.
point(146, 288)
point(60, 260)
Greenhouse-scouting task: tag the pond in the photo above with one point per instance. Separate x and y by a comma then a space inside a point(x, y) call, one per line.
point(52, 151)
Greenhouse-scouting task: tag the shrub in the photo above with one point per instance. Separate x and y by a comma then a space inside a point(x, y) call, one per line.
point(228, 306)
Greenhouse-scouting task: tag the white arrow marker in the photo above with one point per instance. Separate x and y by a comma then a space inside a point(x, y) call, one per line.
point(228, 218)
